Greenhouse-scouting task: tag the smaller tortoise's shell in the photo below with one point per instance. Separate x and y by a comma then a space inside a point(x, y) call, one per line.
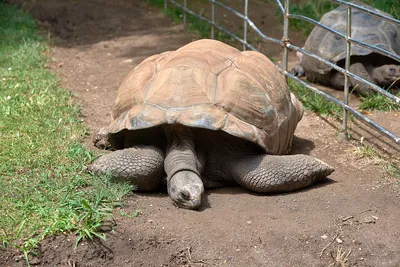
point(366, 28)
point(208, 84)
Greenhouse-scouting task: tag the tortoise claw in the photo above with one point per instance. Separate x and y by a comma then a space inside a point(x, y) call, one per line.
point(100, 140)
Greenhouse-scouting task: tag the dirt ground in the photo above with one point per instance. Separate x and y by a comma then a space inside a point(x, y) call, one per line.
point(353, 216)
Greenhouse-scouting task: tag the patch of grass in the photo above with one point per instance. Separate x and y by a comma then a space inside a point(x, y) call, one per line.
point(341, 258)
point(366, 151)
point(202, 28)
point(379, 102)
point(389, 164)
point(389, 6)
point(132, 214)
point(314, 102)
point(314, 9)
point(394, 170)
point(44, 187)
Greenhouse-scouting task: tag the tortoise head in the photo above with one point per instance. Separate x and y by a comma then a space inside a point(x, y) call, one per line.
point(185, 188)
point(387, 75)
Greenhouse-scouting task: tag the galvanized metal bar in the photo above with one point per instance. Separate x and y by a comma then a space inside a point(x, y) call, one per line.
point(184, 14)
point(234, 11)
point(212, 18)
point(347, 107)
point(246, 5)
point(371, 47)
point(285, 38)
point(347, 68)
point(368, 11)
point(281, 8)
point(352, 75)
point(249, 22)
point(215, 25)
point(261, 34)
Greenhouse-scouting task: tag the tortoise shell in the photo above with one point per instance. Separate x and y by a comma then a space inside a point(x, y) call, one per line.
point(208, 84)
point(365, 27)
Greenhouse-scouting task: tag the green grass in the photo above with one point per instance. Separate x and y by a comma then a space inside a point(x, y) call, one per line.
point(315, 102)
point(314, 9)
point(389, 6)
point(379, 102)
point(44, 188)
point(394, 170)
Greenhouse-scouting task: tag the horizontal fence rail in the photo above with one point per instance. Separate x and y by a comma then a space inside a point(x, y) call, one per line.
point(286, 45)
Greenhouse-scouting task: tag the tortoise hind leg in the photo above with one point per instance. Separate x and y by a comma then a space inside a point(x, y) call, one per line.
point(142, 166)
point(269, 173)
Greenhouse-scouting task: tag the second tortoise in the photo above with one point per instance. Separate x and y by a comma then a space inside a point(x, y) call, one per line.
point(369, 65)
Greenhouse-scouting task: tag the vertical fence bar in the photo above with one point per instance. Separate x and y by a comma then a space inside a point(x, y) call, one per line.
point(246, 8)
point(346, 77)
point(212, 18)
point(184, 14)
point(165, 4)
point(285, 38)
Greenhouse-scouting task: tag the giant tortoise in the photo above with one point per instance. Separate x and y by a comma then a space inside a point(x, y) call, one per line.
point(373, 67)
point(204, 116)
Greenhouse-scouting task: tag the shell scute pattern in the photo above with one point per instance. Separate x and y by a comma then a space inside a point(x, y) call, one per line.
point(211, 85)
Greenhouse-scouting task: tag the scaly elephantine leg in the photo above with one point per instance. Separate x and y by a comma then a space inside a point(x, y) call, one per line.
point(360, 69)
point(183, 168)
point(142, 166)
point(337, 80)
point(270, 173)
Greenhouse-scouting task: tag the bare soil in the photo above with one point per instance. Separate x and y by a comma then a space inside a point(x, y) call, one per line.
point(352, 218)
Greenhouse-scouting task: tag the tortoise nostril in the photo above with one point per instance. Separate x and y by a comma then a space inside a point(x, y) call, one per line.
point(185, 195)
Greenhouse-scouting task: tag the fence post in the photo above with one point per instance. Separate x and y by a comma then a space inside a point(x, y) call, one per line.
point(212, 18)
point(285, 38)
point(165, 4)
point(343, 135)
point(246, 5)
point(184, 14)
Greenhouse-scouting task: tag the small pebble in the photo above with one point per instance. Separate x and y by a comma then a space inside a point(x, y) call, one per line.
point(369, 220)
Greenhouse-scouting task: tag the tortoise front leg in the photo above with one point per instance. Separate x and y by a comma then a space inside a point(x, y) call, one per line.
point(183, 167)
point(143, 166)
point(270, 173)
point(360, 69)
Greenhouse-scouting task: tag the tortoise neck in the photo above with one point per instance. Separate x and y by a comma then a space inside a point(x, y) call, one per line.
point(180, 152)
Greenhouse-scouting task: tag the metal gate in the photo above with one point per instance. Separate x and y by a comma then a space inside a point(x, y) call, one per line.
point(285, 43)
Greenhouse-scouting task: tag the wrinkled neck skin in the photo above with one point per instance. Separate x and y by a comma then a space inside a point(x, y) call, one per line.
point(183, 168)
